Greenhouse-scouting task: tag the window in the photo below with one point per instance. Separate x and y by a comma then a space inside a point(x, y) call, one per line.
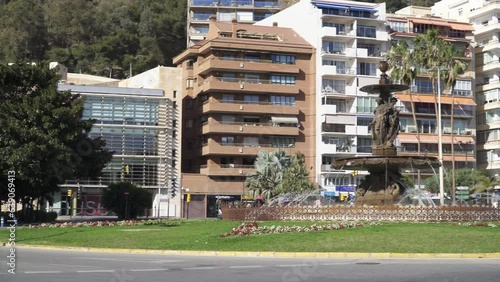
point(366, 31)
point(227, 98)
point(399, 26)
point(189, 83)
point(340, 65)
point(189, 104)
point(251, 99)
point(365, 104)
point(367, 69)
point(283, 59)
point(228, 57)
point(252, 58)
point(283, 79)
point(333, 86)
point(333, 47)
point(189, 123)
point(252, 78)
point(282, 142)
point(283, 100)
point(251, 119)
point(340, 104)
point(227, 140)
point(228, 119)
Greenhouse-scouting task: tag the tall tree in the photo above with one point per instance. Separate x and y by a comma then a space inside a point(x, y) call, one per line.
point(401, 60)
point(454, 68)
point(42, 135)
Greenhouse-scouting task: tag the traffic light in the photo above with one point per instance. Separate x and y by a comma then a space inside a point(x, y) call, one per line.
point(173, 192)
point(70, 193)
point(79, 192)
point(354, 173)
point(188, 199)
point(127, 169)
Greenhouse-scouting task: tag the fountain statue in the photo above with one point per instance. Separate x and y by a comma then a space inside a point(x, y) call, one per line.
point(383, 185)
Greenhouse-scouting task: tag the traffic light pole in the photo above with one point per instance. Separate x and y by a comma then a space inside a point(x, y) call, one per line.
point(168, 207)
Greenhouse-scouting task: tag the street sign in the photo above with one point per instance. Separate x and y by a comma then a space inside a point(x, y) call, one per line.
point(462, 192)
point(463, 197)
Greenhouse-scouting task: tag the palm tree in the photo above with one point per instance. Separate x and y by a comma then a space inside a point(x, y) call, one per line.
point(270, 167)
point(401, 61)
point(428, 55)
point(455, 67)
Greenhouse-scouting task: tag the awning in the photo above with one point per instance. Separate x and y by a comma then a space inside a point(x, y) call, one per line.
point(363, 9)
point(462, 26)
point(412, 138)
point(430, 99)
point(430, 22)
point(433, 139)
point(341, 119)
point(284, 120)
point(330, 6)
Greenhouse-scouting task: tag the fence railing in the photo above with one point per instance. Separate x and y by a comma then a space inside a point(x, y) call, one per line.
point(362, 213)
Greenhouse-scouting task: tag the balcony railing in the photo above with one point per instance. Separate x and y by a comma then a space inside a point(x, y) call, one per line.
point(283, 104)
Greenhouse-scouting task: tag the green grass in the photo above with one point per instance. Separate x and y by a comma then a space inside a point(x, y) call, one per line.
point(204, 235)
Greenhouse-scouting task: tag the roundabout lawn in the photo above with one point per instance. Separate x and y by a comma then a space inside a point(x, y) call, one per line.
point(205, 235)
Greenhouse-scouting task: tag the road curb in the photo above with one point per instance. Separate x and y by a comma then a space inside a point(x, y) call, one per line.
point(349, 255)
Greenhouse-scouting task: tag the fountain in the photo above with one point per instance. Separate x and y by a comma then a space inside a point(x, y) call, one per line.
point(384, 184)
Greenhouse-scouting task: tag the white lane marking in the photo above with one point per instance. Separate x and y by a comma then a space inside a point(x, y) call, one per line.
point(246, 266)
point(132, 260)
point(75, 265)
point(199, 268)
point(150, 269)
point(95, 271)
point(291, 265)
point(335, 263)
point(42, 272)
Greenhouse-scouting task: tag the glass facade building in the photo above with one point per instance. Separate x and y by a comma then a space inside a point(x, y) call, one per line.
point(133, 122)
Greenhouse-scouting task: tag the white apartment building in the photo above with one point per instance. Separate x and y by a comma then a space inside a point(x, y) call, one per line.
point(351, 39)
point(244, 11)
point(484, 17)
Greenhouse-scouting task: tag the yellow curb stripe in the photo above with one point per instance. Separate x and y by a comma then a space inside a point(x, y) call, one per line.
point(268, 254)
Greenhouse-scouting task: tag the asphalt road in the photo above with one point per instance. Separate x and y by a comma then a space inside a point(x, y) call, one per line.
point(56, 265)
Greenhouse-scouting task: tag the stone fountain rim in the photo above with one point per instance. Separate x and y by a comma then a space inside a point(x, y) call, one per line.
point(377, 88)
point(367, 162)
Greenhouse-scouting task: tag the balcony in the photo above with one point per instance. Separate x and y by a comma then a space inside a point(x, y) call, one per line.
point(215, 127)
point(339, 91)
point(232, 85)
point(347, 52)
point(334, 71)
point(213, 63)
point(329, 31)
point(212, 105)
point(490, 66)
point(227, 170)
point(213, 147)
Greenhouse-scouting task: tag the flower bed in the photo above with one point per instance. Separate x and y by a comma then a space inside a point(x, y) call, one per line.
point(107, 223)
point(252, 228)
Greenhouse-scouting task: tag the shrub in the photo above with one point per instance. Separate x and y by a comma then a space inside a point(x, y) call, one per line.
point(114, 199)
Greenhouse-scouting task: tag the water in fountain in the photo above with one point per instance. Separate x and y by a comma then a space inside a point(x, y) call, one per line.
point(416, 197)
point(296, 199)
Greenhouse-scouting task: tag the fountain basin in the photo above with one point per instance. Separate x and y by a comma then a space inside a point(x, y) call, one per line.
point(372, 163)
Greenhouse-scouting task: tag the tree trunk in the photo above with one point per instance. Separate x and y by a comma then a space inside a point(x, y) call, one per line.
point(453, 191)
point(416, 127)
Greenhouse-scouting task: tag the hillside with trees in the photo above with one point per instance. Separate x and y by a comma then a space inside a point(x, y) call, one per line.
point(103, 37)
